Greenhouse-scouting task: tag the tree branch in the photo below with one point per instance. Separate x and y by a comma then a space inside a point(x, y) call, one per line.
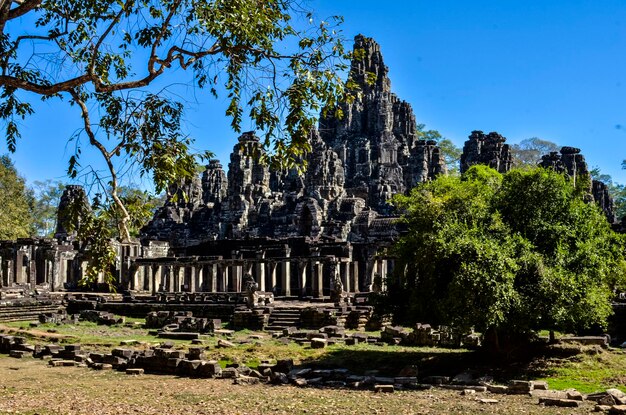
point(23, 8)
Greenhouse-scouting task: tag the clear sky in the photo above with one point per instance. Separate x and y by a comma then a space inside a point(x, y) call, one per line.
point(554, 69)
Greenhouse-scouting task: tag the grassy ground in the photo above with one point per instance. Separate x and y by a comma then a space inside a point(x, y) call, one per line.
point(27, 386)
point(592, 369)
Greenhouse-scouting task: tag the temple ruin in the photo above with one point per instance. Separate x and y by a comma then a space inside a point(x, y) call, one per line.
point(250, 234)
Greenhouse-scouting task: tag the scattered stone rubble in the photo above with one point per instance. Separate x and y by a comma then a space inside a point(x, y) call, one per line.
point(165, 359)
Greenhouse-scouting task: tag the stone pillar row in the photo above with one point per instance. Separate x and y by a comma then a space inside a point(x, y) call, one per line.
point(307, 275)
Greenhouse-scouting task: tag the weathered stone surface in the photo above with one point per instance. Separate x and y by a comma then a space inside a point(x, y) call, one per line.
point(384, 388)
point(318, 343)
point(488, 149)
point(357, 163)
point(573, 163)
point(563, 403)
point(73, 206)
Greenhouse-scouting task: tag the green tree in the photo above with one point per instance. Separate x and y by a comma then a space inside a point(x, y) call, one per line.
point(275, 62)
point(529, 151)
point(47, 195)
point(16, 213)
point(140, 204)
point(507, 254)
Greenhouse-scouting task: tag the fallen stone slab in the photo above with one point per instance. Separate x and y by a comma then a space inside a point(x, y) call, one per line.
point(178, 335)
point(62, 363)
point(562, 403)
point(102, 366)
point(134, 371)
point(520, 387)
point(488, 401)
point(246, 380)
point(318, 343)
point(18, 354)
point(501, 389)
point(224, 343)
point(617, 395)
point(384, 388)
point(617, 410)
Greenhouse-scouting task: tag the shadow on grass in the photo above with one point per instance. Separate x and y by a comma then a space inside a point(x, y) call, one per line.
point(390, 361)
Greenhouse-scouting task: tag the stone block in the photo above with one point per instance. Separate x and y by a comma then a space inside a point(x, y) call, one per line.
point(498, 389)
point(224, 343)
point(62, 363)
point(618, 396)
point(318, 343)
point(562, 403)
point(229, 373)
point(134, 371)
point(384, 388)
point(520, 387)
point(209, 369)
point(123, 353)
point(246, 380)
point(18, 354)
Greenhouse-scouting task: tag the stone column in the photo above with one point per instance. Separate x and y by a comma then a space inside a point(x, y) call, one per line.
point(171, 281)
point(260, 275)
point(222, 284)
point(318, 280)
point(199, 278)
point(156, 279)
point(32, 272)
point(355, 276)
point(286, 277)
point(237, 277)
point(190, 278)
point(273, 267)
point(302, 271)
point(344, 272)
point(19, 268)
point(147, 278)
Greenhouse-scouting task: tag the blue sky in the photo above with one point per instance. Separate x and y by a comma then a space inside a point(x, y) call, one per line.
point(549, 69)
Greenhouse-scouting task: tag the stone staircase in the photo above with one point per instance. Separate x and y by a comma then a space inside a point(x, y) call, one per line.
point(283, 317)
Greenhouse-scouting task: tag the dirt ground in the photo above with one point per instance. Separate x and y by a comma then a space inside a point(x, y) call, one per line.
point(29, 386)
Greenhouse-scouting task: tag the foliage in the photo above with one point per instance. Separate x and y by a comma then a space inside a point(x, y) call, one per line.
point(529, 151)
point(140, 205)
point(47, 195)
point(510, 253)
point(16, 203)
point(276, 64)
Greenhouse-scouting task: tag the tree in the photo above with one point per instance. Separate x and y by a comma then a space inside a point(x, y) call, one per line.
point(47, 195)
point(506, 254)
point(104, 58)
point(16, 214)
point(141, 206)
point(529, 151)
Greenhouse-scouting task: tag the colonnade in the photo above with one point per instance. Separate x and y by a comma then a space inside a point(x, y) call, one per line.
point(300, 277)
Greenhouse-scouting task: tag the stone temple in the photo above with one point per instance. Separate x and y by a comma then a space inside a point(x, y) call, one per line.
point(317, 235)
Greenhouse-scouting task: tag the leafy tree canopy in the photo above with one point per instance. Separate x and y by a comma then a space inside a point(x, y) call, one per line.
point(510, 253)
point(113, 60)
point(529, 151)
point(47, 195)
point(16, 201)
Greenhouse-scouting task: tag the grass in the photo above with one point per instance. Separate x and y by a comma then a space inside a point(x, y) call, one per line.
point(588, 372)
point(592, 370)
